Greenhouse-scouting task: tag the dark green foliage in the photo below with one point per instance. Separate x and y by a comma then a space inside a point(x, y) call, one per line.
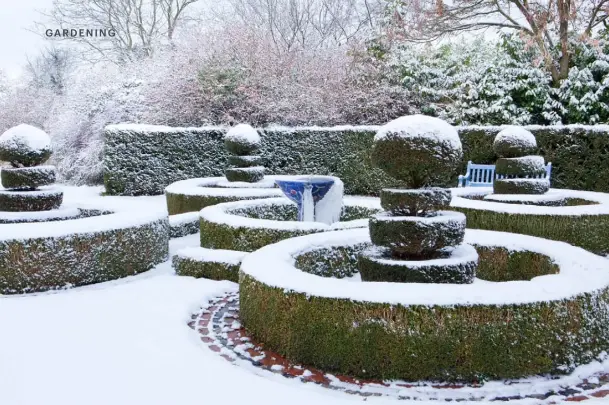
point(337, 261)
point(14, 201)
point(521, 186)
point(180, 203)
point(416, 161)
point(415, 202)
point(499, 265)
point(586, 231)
point(506, 148)
point(244, 161)
point(144, 163)
point(184, 229)
point(248, 239)
point(247, 174)
point(27, 178)
point(515, 167)
point(26, 158)
point(416, 237)
point(211, 270)
point(41, 264)
point(373, 267)
point(466, 343)
point(240, 148)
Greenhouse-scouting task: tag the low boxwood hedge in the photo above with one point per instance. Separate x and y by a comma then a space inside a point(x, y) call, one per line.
point(143, 160)
point(195, 194)
point(186, 265)
point(458, 342)
point(586, 231)
point(47, 263)
point(218, 234)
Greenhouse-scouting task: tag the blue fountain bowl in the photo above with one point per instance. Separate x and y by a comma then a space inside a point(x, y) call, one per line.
point(294, 188)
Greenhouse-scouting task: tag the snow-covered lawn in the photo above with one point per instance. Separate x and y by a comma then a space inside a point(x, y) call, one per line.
point(128, 342)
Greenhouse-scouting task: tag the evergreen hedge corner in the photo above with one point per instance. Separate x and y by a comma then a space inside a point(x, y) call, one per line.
point(143, 160)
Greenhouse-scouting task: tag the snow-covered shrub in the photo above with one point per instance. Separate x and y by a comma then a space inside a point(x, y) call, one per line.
point(582, 222)
point(242, 141)
point(193, 195)
point(250, 225)
point(451, 330)
point(477, 82)
point(80, 251)
point(418, 150)
point(208, 263)
point(584, 95)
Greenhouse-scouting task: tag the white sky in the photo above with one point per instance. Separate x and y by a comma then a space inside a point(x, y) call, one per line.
point(16, 16)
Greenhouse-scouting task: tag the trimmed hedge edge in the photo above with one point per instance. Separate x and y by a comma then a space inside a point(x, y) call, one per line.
point(210, 264)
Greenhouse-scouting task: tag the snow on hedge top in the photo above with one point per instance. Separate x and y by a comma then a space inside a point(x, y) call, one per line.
point(581, 272)
point(423, 126)
point(26, 138)
point(517, 136)
point(243, 133)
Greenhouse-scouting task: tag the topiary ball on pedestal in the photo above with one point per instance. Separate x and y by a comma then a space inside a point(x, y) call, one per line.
point(25, 148)
point(521, 172)
point(419, 150)
point(416, 239)
point(243, 141)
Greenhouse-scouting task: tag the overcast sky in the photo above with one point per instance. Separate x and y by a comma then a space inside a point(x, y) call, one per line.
point(16, 16)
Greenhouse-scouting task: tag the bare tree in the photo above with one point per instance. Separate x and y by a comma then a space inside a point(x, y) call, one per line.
point(549, 25)
point(305, 24)
point(125, 29)
point(51, 69)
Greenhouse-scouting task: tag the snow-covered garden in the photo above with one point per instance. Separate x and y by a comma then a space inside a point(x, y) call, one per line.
point(306, 201)
point(269, 288)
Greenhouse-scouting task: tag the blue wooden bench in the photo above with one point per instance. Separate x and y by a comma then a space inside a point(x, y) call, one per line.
point(484, 175)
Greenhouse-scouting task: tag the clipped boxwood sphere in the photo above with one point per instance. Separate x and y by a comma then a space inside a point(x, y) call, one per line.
point(245, 161)
point(245, 174)
point(521, 167)
point(412, 237)
point(514, 142)
point(27, 178)
point(25, 145)
point(242, 140)
point(455, 265)
point(415, 202)
point(419, 150)
point(521, 186)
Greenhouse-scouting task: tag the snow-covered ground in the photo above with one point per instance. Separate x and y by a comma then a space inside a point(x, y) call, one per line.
point(127, 342)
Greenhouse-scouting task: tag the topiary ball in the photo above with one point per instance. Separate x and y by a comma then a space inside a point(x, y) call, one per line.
point(25, 145)
point(242, 140)
point(513, 142)
point(419, 150)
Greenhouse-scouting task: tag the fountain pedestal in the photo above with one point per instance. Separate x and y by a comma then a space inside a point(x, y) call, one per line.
point(319, 198)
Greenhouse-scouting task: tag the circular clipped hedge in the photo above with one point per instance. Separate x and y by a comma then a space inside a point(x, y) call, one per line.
point(102, 242)
point(249, 225)
point(195, 194)
point(579, 225)
point(545, 312)
point(46, 199)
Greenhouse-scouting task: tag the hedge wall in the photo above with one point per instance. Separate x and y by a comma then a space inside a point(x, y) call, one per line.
point(143, 160)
